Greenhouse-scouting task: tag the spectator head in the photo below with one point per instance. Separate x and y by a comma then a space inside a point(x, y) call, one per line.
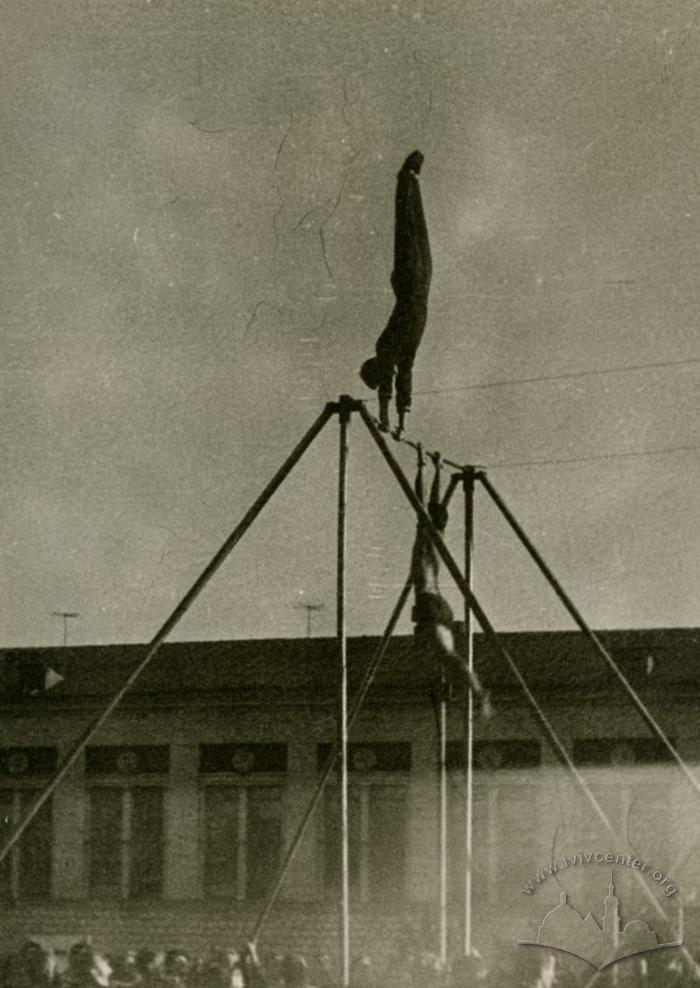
point(215, 974)
point(362, 974)
point(34, 960)
point(124, 967)
point(230, 962)
point(148, 961)
point(176, 964)
point(232, 956)
point(293, 971)
point(81, 960)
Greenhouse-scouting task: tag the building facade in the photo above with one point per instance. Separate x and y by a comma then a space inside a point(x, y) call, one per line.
point(170, 828)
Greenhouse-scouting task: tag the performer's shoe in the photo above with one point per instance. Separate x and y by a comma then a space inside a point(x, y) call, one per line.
point(413, 163)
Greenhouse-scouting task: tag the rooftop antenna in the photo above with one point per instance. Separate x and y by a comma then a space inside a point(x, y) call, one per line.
point(65, 615)
point(310, 609)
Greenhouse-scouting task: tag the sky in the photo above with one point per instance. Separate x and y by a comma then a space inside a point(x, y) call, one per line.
point(196, 240)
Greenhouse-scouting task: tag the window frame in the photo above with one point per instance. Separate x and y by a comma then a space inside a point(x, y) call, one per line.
point(593, 753)
point(125, 785)
point(16, 787)
point(489, 787)
point(241, 783)
point(363, 782)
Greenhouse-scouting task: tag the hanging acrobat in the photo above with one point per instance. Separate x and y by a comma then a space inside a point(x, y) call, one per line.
point(432, 616)
point(410, 279)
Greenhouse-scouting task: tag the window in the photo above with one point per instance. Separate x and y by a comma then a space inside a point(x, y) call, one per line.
point(126, 842)
point(377, 840)
point(512, 753)
point(26, 871)
point(377, 821)
point(505, 830)
point(243, 795)
point(243, 839)
point(506, 837)
point(620, 751)
point(126, 822)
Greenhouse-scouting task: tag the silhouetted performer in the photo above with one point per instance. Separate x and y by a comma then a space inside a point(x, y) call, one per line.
point(432, 615)
point(413, 267)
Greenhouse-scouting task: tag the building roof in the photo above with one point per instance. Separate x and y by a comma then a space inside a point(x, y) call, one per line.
point(551, 661)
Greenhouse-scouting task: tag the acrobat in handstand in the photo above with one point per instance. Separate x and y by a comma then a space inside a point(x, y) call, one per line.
point(432, 615)
point(410, 279)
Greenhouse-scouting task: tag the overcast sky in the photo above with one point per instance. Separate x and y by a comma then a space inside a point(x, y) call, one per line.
point(196, 235)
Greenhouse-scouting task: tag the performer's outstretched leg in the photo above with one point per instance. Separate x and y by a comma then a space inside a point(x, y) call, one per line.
point(410, 279)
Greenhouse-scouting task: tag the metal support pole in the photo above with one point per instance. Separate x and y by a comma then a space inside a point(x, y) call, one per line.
point(468, 710)
point(442, 742)
point(196, 588)
point(494, 641)
point(647, 716)
point(344, 417)
point(359, 699)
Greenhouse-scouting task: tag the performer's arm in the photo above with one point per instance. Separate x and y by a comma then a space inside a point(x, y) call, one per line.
point(418, 485)
point(451, 488)
point(435, 485)
point(404, 383)
point(385, 378)
point(436, 508)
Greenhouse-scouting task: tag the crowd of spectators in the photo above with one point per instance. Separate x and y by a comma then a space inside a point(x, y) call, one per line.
point(32, 966)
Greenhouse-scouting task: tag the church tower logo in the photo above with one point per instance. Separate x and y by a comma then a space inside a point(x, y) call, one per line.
point(565, 929)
